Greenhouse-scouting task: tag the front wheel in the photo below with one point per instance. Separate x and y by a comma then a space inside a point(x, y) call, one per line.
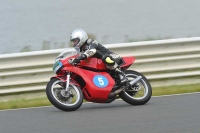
point(66, 101)
point(139, 93)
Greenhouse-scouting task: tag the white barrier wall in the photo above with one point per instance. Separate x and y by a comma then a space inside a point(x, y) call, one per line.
point(163, 62)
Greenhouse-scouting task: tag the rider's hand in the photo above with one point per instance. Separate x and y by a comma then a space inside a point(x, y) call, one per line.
point(76, 61)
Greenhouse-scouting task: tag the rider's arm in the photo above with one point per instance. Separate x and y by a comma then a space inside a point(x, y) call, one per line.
point(89, 51)
point(92, 48)
point(82, 57)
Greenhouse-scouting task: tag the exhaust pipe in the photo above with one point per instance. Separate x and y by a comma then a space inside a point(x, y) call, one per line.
point(113, 94)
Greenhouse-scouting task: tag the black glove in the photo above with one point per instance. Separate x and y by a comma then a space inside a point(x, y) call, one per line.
point(76, 61)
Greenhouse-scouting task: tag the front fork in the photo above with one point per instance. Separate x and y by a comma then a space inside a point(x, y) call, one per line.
point(67, 82)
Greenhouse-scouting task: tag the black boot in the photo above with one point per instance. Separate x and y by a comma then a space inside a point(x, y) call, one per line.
point(121, 75)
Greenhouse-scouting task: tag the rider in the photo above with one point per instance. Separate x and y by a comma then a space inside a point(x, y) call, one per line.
point(91, 48)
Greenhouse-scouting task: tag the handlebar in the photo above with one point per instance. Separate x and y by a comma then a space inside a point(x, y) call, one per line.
point(71, 62)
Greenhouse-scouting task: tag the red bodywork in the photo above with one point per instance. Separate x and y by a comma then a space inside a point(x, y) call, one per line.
point(84, 73)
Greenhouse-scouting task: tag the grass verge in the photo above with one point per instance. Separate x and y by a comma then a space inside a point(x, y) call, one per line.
point(36, 102)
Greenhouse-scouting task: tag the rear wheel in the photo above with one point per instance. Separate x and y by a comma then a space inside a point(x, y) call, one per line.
point(66, 101)
point(139, 93)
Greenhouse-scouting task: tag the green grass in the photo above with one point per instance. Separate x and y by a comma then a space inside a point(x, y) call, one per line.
point(24, 103)
point(178, 89)
point(36, 102)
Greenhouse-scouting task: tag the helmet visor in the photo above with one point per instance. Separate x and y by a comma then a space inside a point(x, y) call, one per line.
point(75, 41)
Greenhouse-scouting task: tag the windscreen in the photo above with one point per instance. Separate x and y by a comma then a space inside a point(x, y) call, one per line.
point(67, 53)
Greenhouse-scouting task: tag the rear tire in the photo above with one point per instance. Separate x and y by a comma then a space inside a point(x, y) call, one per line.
point(131, 98)
point(63, 102)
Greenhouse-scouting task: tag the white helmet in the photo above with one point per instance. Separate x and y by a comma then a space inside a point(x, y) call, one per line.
point(78, 38)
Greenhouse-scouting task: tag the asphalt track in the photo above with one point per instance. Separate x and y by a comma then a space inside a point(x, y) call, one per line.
point(167, 114)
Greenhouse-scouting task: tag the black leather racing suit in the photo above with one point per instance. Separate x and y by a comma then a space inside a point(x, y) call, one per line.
point(94, 49)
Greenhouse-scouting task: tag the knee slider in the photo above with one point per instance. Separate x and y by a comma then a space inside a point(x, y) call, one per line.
point(109, 61)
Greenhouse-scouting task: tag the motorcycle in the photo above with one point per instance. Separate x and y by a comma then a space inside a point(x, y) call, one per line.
point(92, 81)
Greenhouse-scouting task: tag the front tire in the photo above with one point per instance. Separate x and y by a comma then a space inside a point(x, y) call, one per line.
point(56, 94)
point(140, 97)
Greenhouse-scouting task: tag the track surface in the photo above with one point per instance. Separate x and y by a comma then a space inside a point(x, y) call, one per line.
point(168, 114)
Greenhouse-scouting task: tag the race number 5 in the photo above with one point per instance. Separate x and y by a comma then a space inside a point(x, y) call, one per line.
point(100, 81)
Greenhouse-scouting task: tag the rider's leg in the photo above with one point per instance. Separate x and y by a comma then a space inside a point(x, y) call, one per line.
point(113, 66)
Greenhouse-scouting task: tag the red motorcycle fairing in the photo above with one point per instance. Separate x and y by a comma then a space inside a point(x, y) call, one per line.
point(128, 61)
point(98, 64)
point(97, 84)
